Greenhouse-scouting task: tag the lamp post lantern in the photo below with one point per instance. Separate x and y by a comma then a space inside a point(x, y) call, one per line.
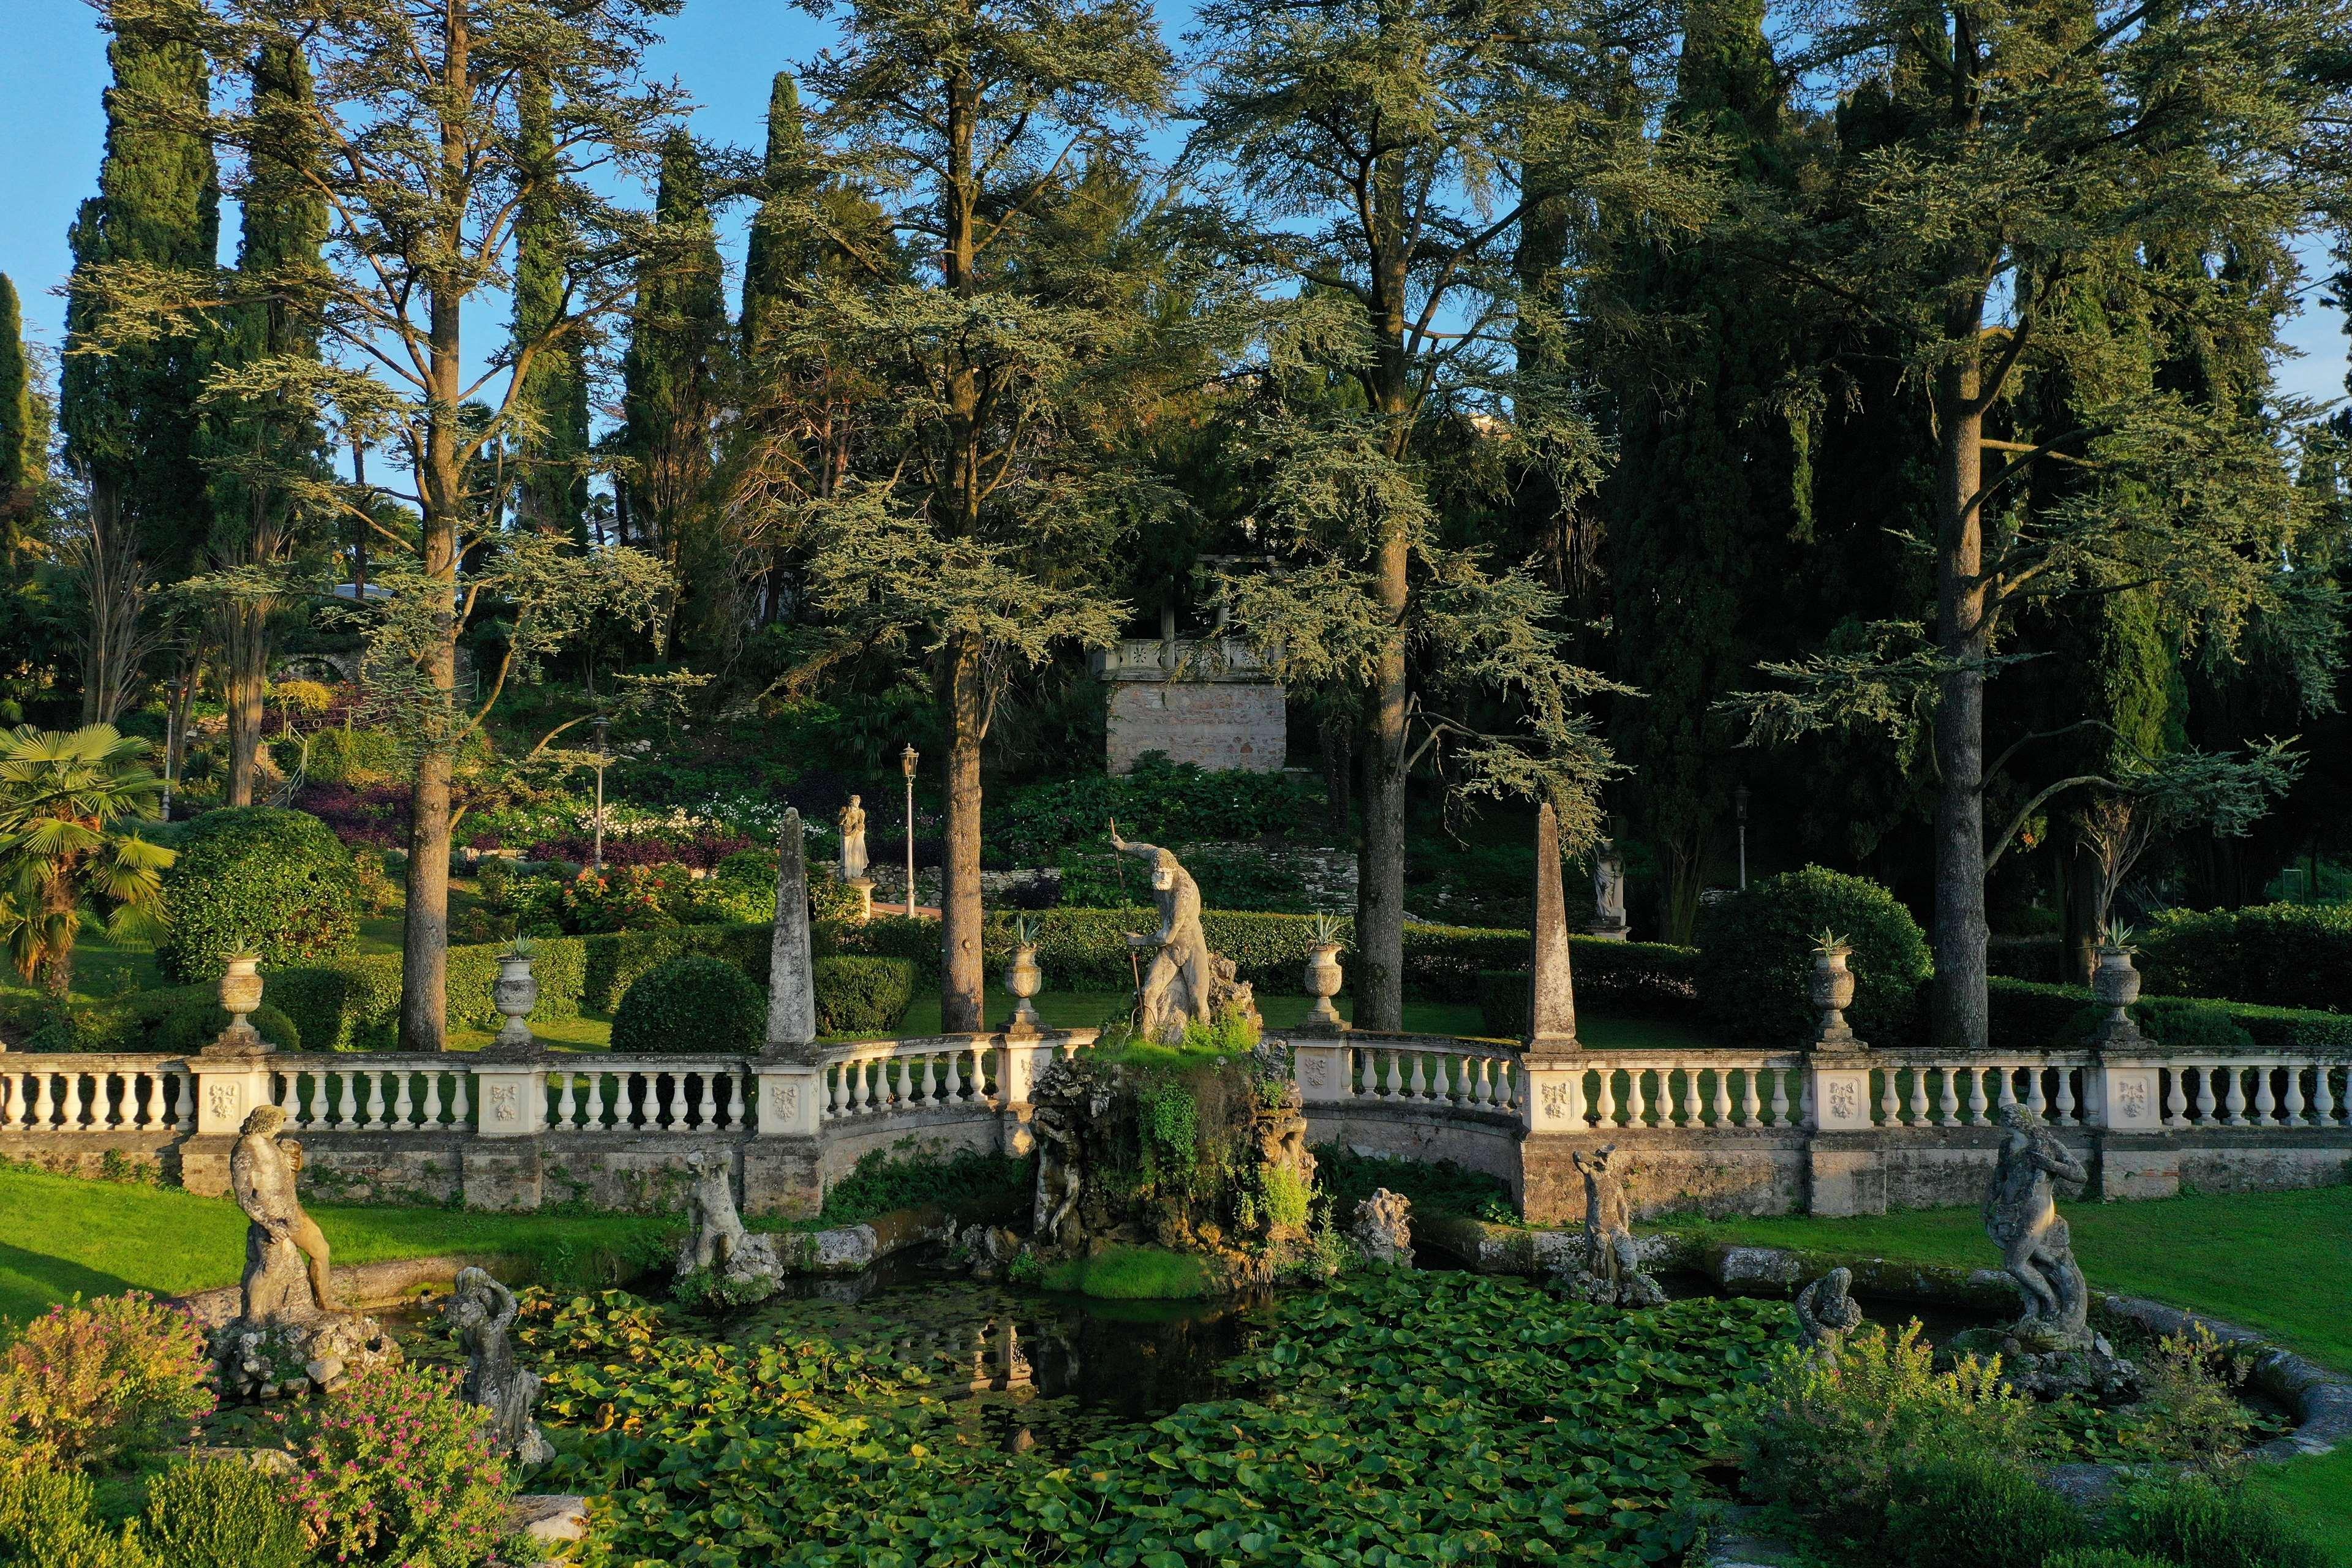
point(600, 727)
point(1740, 811)
point(909, 760)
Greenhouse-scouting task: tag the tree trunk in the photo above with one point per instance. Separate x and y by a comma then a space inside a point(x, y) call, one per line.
point(425, 936)
point(2079, 879)
point(245, 661)
point(1961, 1000)
point(1685, 880)
point(962, 997)
point(1379, 986)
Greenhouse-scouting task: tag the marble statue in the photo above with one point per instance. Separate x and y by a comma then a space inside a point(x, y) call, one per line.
point(291, 1334)
point(286, 1274)
point(851, 822)
point(2021, 1214)
point(1382, 1230)
point(1610, 1271)
point(481, 1314)
point(1058, 1181)
point(1186, 982)
point(1826, 1313)
point(715, 1240)
point(1608, 886)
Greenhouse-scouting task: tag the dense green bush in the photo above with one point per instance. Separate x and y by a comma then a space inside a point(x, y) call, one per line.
point(393, 1468)
point(2200, 1520)
point(1756, 958)
point(197, 1023)
point(691, 1005)
point(861, 995)
point(2100, 1557)
point(222, 1514)
point(1830, 1441)
point(1977, 1509)
point(88, 1385)
point(353, 756)
point(256, 879)
point(48, 1520)
point(1160, 801)
point(1441, 1187)
point(2280, 955)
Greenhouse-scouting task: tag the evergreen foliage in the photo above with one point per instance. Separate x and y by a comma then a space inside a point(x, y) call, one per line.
point(694, 1005)
point(24, 437)
point(258, 879)
point(1756, 958)
point(552, 418)
point(222, 1514)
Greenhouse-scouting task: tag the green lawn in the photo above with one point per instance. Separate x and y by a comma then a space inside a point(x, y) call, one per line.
point(2279, 1262)
point(60, 1235)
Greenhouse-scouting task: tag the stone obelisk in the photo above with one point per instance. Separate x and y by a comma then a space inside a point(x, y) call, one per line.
point(1552, 996)
point(791, 976)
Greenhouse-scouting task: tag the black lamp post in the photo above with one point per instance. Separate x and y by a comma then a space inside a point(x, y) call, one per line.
point(909, 760)
point(1740, 811)
point(601, 726)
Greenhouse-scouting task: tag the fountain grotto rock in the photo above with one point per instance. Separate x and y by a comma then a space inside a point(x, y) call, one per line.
point(1382, 1230)
point(1194, 1148)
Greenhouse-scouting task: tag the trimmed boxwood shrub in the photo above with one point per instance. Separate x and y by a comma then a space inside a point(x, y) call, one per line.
point(256, 879)
point(696, 1005)
point(1652, 978)
point(1756, 957)
point(861, 995)
point(193, 1025)
point(2280, 955)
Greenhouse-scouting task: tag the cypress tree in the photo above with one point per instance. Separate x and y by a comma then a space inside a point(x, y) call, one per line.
point(1704, 492)
point(672, 372)
point(24, 444)
point(553, 411)
point(781, 245)
point(262, 437)
point(130, 415)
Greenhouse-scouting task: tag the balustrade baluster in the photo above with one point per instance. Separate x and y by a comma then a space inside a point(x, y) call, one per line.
point(461, 1110)
point(566, 1102)
point(1751, 1102)
point(2064, 1105)
point(375, 1101)
point(430, 1117)
point(2205, 1103)
point(43, 1109)
point(76, 1102)
point(1779, 1096)
point(1606, 1101)
point(1947, 1100)
point(2034, 1099)
point(2324, 1103)
point(2169, 1107)
point(1637, 1097)
point(2234, 1103)
point(1723, 1096)
point(1976, 1094)
point(1888, 1114)
point(955, 1078)
point(1916, 1100)
point(2264, 1103)
point(400, 1102)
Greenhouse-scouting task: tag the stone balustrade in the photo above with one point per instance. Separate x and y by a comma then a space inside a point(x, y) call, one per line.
point(1721, 1130)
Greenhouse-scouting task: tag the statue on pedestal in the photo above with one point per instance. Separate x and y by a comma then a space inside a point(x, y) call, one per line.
point(743, 1267)
point(1826, 1313)
point(481, 1313)
point(2021, 1214)
point(851, 823)
point(290, 1333)
point(1186, 982)
point(1608, 891)
point(1610, 1272)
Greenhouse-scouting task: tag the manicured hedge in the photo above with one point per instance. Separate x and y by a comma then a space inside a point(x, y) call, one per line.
point(861, 995)
point(2031, 1016)
point(1652, 979)
point(354, 1003)
point(2279, 955)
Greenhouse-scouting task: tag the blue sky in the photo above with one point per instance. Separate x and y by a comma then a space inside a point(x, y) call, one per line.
point(724, 51)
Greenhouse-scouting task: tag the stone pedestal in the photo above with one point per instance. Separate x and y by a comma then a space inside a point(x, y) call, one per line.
point(513, 1097)
point(861, 889)
point(1020, 1063)
point(1606, 930)
point(791, 1100)
point(228, 1087)
point(1319, 1064)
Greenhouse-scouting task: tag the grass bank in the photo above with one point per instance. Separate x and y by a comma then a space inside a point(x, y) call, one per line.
point(60, 1236)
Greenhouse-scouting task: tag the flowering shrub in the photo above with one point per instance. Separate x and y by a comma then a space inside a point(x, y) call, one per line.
point(619, 897)
point(393, 1468)
point(374, 815)
point(123, 1374)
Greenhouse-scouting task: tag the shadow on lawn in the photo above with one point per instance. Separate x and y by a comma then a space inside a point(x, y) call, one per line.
point(30, 1281)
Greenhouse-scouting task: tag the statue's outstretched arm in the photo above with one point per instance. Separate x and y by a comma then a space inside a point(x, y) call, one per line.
point(2055, 1159)
point(1129, 846)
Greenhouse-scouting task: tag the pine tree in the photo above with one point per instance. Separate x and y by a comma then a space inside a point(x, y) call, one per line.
point(970, 534)
point(1395, 150)
point(264, 437)
point(2144, 128)
point(129, 414)
point(675, 370)
point(552, 421)
point(784, 239)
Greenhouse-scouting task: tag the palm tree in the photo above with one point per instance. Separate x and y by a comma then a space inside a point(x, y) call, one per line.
point(63, 856)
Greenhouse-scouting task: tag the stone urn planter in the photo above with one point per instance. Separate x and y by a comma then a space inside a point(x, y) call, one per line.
point(2115, 981)
point(1322, 979)
point(1023, 979)
point(1832, 992)
point(515, 993)
point(240, 994)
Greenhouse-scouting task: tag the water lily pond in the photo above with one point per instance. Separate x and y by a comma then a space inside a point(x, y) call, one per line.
point(1390, 1417)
